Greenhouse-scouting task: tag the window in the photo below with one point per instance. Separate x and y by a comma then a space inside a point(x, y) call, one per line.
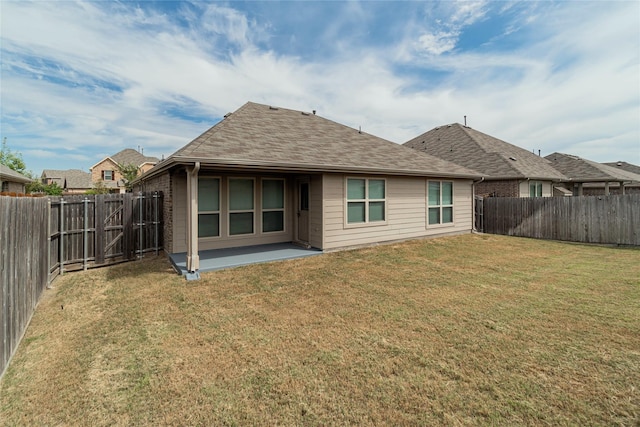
point(272, 205)
point(107, 175)
point(208, 207)
point(440, 200)
point(535, 189)
point(366, 200)
point(5, 186)
point(241, 206)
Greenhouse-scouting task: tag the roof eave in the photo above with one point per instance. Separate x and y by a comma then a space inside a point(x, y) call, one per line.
point(302, 168)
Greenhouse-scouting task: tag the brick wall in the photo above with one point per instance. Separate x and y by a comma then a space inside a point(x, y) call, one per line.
point(162, 183)
point(106, 164)
point(507, 188)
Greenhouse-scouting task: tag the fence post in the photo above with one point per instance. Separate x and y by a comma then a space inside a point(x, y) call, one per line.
point(100, 229)
point(155, 220)
point(61, 234)
point(48, 242)
point(85, 231)
point(141, 228)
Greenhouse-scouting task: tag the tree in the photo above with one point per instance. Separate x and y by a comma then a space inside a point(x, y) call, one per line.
point(12, 159)
point(98, 188)
point(52, 189)
point(129, 174)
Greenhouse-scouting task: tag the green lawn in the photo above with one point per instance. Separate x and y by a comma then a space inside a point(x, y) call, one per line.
point(466, 330)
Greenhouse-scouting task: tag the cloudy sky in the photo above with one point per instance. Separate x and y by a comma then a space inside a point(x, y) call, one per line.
point(81, 81)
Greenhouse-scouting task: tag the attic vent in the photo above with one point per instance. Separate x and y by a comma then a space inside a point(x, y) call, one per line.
point(273, 108)
point(448, 126)
point(512, 158)
point(305, 114)
point(437, 127)
point(227, 115)
point(619, 163)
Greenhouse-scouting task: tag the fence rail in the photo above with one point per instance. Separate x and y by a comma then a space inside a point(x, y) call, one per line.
point(41, 238)
point(591, 219)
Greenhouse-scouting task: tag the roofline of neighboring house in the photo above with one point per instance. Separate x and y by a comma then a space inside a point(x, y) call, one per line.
point(106, 158)
point(524, 178)
point(14, 178)
point(287, 167)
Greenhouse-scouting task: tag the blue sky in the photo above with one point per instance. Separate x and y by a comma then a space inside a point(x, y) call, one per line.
point(81, 81)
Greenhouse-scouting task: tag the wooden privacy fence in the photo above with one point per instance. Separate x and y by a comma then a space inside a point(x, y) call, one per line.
point(590, 219)
point(41, 238)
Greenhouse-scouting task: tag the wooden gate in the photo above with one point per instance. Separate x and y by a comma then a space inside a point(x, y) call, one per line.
point(92, 231)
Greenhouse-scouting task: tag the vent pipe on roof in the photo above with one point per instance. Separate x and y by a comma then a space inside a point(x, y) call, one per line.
point(314, 112)
point(465, 121)
point(539, 155)
point(359, 129)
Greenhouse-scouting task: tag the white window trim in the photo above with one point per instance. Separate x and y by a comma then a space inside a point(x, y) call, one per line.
point(283, 209)
point(219, 211)
point(440, 206)
point(366, 201)
point(538, 184)
point(229, 211)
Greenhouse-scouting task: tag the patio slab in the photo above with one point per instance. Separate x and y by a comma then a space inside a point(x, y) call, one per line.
point(218, 259)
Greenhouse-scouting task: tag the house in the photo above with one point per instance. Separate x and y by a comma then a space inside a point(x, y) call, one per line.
point(72, 181)
point(507, 170)
point(591, 178)
point(267, 175)
point(12, 181)
point(107, 172)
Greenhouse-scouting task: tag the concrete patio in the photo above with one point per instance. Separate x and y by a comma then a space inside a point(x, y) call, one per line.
point(218, 259)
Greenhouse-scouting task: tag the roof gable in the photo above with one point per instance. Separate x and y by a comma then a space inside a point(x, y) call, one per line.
point(258, 135)
point(491, 156)
point(128, 156)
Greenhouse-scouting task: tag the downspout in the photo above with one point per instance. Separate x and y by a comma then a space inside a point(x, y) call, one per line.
point(193, 259)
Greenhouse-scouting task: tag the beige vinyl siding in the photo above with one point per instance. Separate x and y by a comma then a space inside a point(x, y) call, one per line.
point(406, 212)
point(315, 211)
point(226, 241)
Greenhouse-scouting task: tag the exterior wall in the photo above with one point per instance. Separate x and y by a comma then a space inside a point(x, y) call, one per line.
point(12, 187)
point(106, 164)
point(506, 188)
point(406, 199)
point(180, 228)
point(163, 183)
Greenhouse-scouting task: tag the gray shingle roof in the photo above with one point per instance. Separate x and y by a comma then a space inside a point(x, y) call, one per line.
point(490, 156)
point(583, 170)
point(629, 167)
point(9, 174)
point(257, 135)
point(129, 156)
point(69, 179)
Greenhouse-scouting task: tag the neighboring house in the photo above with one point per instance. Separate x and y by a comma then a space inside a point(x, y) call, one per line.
point(72, 181)
point(12, 181)
point(107, 172)
point(272, 175)
point(591, 178)
point(507, 170)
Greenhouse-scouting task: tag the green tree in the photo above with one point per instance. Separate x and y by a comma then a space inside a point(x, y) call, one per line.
point(129, 174)
point(12, 159)
point(98, 188)
point(36, 186)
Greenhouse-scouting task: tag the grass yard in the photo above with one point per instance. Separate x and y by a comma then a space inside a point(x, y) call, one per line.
point(467, 330)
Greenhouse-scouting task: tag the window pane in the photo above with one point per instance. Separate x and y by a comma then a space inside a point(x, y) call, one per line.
point(304, 196)
point(447, 215)
point(434, 193)
point(272, 194)
point(208, 225)
point(539, 186)
point(355, 189)
point(272, 221)
point(355, 212)
point(532, 190)
point(240, 194)
point(376, 189)
point(447, 193)
point(434, 215)
point(241, 223)
point(208, 194)
point(376, 211)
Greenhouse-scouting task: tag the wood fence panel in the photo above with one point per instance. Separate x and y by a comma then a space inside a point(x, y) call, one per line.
point(591, 219)
point(23, 267)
